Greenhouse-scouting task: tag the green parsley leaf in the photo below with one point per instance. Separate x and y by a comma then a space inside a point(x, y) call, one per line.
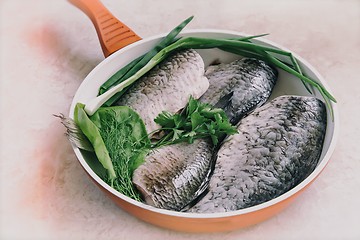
point(165, 119)
point(197, 120)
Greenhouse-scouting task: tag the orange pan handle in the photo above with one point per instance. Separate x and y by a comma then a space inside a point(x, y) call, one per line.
point(112, 33)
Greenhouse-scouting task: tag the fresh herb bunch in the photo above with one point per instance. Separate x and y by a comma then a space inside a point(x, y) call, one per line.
point(118, 137)
point(120, 142)
point(197, 120)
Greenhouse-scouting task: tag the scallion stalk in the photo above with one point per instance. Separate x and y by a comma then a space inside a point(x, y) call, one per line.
point(242, 46)
point(139, 63)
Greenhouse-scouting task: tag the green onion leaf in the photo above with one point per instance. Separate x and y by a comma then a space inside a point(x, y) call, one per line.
point(242, 46)
point(139, 63)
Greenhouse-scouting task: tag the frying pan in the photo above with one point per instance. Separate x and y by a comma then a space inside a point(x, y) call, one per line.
point(120, 45)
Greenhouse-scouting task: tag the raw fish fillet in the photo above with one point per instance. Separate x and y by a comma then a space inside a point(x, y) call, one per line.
point(174, 175)
point(167, 87)
point(277, 147)
point(240, 86)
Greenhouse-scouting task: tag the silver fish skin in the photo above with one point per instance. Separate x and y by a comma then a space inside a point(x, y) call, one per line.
point(174, 175)
point(167, 87)
point(277, 147)
point(240, 86)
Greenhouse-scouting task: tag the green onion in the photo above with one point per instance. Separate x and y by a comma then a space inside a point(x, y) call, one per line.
point(242, 46)
point(293, 60)
point(119, 75)
point(138, 63)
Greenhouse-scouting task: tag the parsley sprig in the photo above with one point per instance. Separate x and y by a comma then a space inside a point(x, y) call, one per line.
point(197, 120)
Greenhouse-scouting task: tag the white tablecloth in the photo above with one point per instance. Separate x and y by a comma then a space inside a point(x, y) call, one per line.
point(48, 47)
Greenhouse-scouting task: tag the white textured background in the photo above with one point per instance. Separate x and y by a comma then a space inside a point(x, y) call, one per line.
point(49, 46)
